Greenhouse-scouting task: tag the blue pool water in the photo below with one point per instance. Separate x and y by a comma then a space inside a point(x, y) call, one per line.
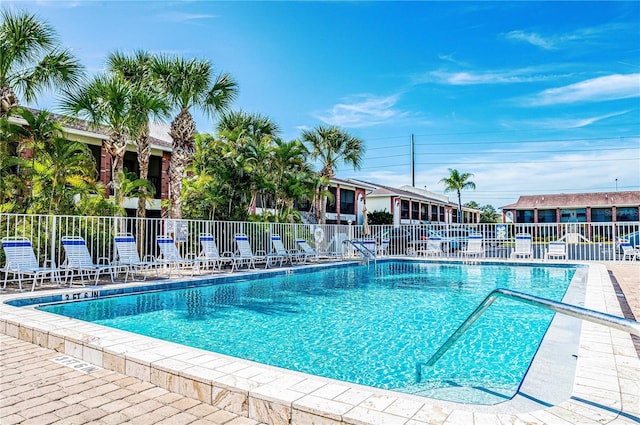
point(367, 325)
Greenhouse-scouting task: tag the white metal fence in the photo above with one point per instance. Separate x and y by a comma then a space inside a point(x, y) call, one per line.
point(585, 241)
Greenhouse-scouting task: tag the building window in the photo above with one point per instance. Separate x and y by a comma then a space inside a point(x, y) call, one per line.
point(442, 217)
point(627, 214)
point(524, 216)
point(601, 215)
point(404, 209)
point(578, 215)
point(331, 203)
point(454, 215)
point(434, 213)
point(347, 205)
point(546, 216)
point(415, 210)
point(424, 212)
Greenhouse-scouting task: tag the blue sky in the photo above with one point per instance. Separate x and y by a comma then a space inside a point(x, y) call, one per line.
point(529, 97)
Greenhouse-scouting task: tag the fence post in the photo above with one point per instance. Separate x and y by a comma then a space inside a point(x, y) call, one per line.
point(54, 230)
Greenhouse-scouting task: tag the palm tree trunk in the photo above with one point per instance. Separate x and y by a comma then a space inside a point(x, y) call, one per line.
point(144, 152)
point(182, 132)
point(8, 100)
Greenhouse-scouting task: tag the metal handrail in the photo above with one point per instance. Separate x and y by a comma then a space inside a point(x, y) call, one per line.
point(363, 250)
point(620, 323)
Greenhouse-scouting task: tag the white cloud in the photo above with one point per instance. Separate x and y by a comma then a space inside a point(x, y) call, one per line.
point(509, 76)
point(363, 111)
point(558, 123)
point(183, 17)
point(532, 38)
point(610, 87)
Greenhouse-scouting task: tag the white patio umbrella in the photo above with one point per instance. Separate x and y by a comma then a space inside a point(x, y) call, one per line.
point(365, 222)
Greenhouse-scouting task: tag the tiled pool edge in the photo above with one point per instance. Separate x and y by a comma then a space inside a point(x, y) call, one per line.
point(606, 374)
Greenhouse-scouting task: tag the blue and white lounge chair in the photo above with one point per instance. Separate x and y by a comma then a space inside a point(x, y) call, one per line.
point(78, 259)
point(523, 246)
point(127, 255)
point(171, 257)
point(556, 249)
point(475, 246)
point(433, 248)
point(244, 255)
point(282, 253)
point(210, 253)
point(21, 262)
point(628, 251)
point(307, 252)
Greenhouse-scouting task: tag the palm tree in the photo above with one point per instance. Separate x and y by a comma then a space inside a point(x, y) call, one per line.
point(63, 169)
point(457, 182)
point(332, 145)
point(30, 60)
point(136, 69)
point(188, 84)
point(110, 103)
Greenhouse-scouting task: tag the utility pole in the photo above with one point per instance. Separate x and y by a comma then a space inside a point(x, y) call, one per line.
point(413, 163)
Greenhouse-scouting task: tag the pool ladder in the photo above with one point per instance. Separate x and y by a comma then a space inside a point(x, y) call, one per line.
point(626, 325)
point(364, 251)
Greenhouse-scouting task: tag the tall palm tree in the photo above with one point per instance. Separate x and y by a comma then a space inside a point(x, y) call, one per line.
point(188, 84)
point(31, 61)
point(332, 146)
point(137, 70)
point(457, 182)
point(111, 103)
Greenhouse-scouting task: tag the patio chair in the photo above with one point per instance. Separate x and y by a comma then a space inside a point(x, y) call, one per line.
point(307, 251)
point(523, 246)
point(210, 253)
point(171, 257)
point(21, 262)
point(556, 249)
point(79, 259)
point(290, 256)
point(433, 248)
point(475, 246)
point(127, 255)
point(629, 251)
point(245, 254)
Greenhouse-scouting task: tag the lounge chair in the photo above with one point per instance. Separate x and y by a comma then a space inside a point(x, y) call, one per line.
point(21, 262)
point(79, 259)
point(433, 248)
point(210, 253)
point(244, 254)
point(475, 246)
point(307, 251)
point(629, 251)
point(171, 257)
point(127, 255)
point(523, 246)
point(290, 256)
point(556, 249)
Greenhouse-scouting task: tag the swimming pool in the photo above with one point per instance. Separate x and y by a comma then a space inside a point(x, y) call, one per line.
point(367, 325)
